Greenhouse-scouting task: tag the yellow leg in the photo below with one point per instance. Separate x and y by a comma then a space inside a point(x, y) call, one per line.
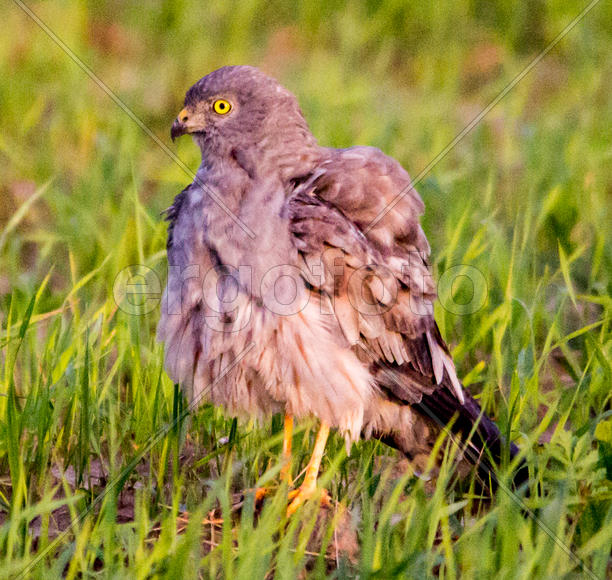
point(285, 473)
point(288, 434)
point(309, 486)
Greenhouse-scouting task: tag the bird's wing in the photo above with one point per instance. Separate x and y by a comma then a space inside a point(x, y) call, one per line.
point(355, 221)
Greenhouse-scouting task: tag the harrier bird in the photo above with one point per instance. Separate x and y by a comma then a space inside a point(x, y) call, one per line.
point(299, 282)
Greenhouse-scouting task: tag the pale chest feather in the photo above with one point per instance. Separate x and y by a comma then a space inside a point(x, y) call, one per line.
point(247, 294)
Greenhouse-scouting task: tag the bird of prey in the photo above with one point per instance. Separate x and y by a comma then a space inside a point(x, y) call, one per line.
point(299, 282)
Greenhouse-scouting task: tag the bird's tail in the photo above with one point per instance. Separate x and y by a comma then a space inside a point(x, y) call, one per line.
point(481, 442)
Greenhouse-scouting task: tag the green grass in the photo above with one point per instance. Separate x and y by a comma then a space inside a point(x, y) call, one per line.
point(524, 198)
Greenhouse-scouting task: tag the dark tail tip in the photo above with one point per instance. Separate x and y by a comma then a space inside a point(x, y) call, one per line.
point(485, 446)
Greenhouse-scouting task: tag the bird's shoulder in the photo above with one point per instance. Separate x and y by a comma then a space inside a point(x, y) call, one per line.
point(364, 202)
point(371, 190)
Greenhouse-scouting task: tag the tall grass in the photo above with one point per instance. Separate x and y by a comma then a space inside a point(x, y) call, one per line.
point(87, 489)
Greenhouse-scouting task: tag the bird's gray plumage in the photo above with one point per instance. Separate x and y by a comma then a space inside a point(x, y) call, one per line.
point(319, 313)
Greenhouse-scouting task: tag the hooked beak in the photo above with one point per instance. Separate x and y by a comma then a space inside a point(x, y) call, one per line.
point(179, 127)
point(177, 130)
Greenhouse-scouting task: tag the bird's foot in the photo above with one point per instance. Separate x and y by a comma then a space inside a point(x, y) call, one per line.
point(259, 494)
point(307, 490)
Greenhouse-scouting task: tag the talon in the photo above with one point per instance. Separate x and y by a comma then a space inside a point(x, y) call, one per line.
point(325, 498)
point(299, 496)
point(260, 493)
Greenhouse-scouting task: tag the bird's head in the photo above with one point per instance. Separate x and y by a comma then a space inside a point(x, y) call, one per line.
point(240, 109)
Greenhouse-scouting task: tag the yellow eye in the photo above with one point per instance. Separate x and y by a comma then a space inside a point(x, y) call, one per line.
point(222, 107)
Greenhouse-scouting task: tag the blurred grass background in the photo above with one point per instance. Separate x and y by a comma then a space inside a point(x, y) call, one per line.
point(525, 198)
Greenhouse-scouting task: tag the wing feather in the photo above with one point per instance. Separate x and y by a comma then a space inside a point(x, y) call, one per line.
point(357, 220)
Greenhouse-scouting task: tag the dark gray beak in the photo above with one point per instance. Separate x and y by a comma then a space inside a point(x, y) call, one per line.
point(178, 129)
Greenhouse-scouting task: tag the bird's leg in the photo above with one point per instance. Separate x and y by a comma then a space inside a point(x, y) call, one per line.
point(285, 473)
point(288, 435)
point(309, 485)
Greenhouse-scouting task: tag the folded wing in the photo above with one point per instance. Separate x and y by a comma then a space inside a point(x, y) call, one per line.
point(356, 224)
